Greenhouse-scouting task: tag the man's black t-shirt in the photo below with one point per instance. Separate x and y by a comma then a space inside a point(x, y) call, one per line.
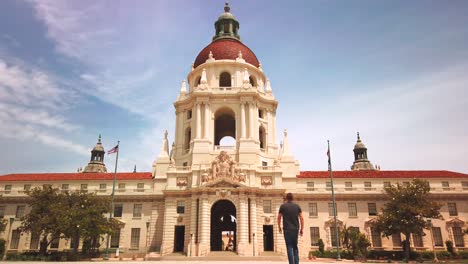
point(290, 212)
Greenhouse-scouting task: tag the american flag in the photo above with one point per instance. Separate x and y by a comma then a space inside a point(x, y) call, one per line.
point(113, 150)
point(329, 158)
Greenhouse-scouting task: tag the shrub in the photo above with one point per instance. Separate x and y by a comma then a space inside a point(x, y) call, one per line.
point(2, 247)
point(449, 246)
point(321, 246)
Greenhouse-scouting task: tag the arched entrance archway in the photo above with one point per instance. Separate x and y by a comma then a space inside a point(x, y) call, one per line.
point(223, 226)
point(225, 124)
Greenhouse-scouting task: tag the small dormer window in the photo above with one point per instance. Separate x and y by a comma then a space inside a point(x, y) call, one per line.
point(225, 80)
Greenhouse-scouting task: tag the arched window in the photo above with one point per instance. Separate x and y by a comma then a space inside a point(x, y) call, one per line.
point(188, 138)
point(225, 125)
point(262, 137)
point(197, 81)
point(225, 80)
point(253, 81)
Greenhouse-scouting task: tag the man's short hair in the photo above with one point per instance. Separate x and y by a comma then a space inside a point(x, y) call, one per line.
point(289, 197)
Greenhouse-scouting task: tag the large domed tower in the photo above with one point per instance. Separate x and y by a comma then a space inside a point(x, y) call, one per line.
point(225, 154)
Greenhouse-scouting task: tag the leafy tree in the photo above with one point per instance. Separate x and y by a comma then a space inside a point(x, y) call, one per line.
point(354, 241)
point(406, 212)
point(43, 218)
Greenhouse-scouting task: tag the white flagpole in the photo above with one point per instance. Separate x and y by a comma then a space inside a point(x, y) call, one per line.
point(106, 257)
point(334, 203)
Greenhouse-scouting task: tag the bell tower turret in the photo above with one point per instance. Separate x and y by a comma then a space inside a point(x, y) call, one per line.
point(96, 164)
point(360, 156)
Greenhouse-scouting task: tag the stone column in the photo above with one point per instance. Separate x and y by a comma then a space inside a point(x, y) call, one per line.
point(251, 120)
point(254, 227)
point(198, 118)
point(207, 120)
point(255, 121)
point(242, 225)
point(204, 226)
point(242, 120)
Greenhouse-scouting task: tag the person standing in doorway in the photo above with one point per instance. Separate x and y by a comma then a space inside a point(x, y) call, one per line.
point(291, 214)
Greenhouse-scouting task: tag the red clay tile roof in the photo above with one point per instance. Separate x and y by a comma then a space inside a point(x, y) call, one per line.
point(383, 174)
point(226, 49)
point(77, 176)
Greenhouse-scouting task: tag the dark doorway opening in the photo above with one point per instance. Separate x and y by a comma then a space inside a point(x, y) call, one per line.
point(179, 236)
point(225, 125)
point(268, 238)
point(223, 226)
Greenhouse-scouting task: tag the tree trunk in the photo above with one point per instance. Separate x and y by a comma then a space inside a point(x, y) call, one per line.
point(407, 247)
point(43, 246)
point(76, 241)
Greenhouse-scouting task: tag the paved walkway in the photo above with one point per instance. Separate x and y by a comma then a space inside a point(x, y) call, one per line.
point(187, 262)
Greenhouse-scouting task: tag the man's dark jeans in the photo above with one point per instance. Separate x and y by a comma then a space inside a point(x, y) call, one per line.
point(290, 237)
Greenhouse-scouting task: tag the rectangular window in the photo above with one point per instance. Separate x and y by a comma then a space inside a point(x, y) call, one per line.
point(102, 187)
point(27, 187)
point(348, 186)
point(328, 186)
point(445, 184)
point(310, 186)
point(84, 187)
point(189, 114)
point(140, 187)
point(121, 187)
point(372, 208)
point(20, 211)
point(118, 210)
point(333, 236)
point(15, 237)
point(314, 236)
point(396, 240)
point(2, 211)
point(452, 208)
point(65, 187)
point(135, 238)
point(180, 207)
point(137, 210)
point(330, 209)
point(34, 244)
point(376, 238)
point(436, 232)
point(55, 242)
point(7, 189)
point(352, 209)
point(313, 210)
point(267, 206)
point(417, 241)
point(464, 185)
point(115, 239)
point(458, 236)
point(368, 186)
point(387, 184)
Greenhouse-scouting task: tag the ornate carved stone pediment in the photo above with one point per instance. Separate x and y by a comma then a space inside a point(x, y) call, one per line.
point(223, 167)
point(223, 183)
point(455, 222)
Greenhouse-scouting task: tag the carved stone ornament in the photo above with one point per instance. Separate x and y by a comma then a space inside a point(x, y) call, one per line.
point(223, 167)
point(181, 181)
point(223, 193)
point(180, 219)
point(266, 180)
point(267, 219)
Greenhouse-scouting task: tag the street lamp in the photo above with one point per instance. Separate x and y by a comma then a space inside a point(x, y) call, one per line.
point(7, 244)
point(429, 223)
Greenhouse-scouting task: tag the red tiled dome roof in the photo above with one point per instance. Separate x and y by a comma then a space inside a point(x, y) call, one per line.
point(226, 49)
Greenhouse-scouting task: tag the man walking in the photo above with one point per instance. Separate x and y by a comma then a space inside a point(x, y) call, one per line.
point(291, 214)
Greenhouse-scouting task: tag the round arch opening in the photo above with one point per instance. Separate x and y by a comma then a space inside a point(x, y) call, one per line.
point(225, 125)
point(223, 226)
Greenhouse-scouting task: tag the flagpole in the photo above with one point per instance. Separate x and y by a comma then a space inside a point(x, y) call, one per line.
point(112, 198)
point(334, 203)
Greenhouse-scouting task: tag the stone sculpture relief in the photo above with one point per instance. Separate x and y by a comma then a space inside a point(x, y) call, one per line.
point(223, 167)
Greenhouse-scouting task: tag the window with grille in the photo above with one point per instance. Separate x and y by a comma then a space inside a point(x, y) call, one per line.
point(20, 211)
point(34, 243)
point(27, 187)
point(333, 236)
point(436, 232)
point(2, 211)
point(464, 185)
point(376, 238)
point(348, 186)
point(310, 186)
point(7, 189)
point(137, 210)
point(445, 186)
point(387, 184)
point(328, 186)
point(372, 208)
point(102, 187)
point(140, 187)
point(84, 187)
point(352, 209)
point(313, 210)
point(180, 207)
point(15, 237)
point(314, 236)
point(121, 187)
point(115, 238)
point(458, 236)
point(396, 240)
point(368, 186)
point(417, 240)
point(118, 210)
point(330, 209)
point(65, 187)
point(452, 208)
point(267, 206)
point(135, 238)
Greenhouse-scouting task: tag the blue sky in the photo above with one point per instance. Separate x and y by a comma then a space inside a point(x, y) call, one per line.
point(394, 70)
